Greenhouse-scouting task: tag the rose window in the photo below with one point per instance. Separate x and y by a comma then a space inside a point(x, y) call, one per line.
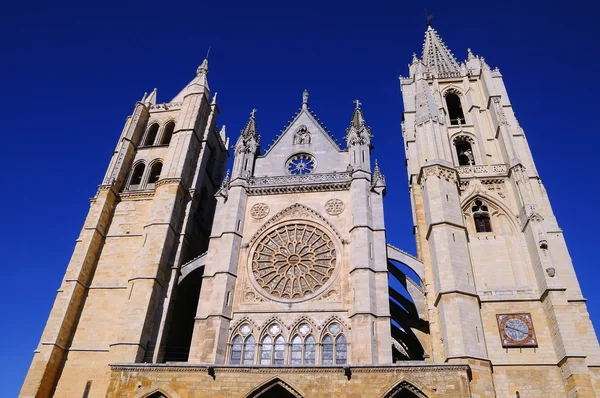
point(300, 164)
point(294, 261)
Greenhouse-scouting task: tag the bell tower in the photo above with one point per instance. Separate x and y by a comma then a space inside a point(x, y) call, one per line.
point(502, 294)
point(152, 213)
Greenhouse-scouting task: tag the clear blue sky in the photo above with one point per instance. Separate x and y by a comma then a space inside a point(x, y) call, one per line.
point(71, 74)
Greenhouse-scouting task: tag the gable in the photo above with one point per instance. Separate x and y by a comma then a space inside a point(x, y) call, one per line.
point(303, 135)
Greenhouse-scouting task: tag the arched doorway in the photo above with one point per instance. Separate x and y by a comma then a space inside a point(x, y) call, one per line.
point(275, 388)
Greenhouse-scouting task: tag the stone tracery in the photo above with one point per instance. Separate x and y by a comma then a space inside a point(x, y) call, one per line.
point(294, 261)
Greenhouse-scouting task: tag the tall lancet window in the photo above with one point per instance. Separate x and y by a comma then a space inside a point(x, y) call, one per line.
point(334, 346)
point(272, 348)
point(136, 176)
point(481, 217)
point(303, 346)
point(464, 151)
point(243, 346)
point(151, 135)
point(455, 110)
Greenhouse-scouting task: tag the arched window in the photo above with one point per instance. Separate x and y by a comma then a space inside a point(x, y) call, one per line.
point(341, 350)
point(167, 133)
point(464, 151)
point(272, 348)
point(303, 346)
point(481, 216)
point(243, 346)
point(249, 348)
point(136, 176)
point(455, 110)
point(155, 172)
point(236, 350)
point(334, 353)
point(151, 135)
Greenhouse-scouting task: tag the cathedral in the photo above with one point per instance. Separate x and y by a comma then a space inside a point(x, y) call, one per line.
point(275, 279)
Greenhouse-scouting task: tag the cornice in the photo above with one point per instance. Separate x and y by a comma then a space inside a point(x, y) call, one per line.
point(411, 367)
point(435, 170)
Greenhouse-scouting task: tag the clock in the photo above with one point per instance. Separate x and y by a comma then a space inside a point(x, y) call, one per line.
point(516, 330)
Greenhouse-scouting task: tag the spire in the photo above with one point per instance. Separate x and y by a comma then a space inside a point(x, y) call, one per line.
point(358, 119)
point(198, 85)
point(150, 99)
point(358, 132)
point(437, 57)
point(250, 128)
point(427, 109)
point(377, 180)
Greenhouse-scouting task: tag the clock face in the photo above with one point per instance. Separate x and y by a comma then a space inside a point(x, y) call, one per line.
point(516, 330)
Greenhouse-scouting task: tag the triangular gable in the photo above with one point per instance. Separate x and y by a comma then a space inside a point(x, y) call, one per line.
point(298, 120)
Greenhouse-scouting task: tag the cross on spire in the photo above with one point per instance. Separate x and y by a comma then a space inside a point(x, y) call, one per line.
point(253, 113)
point(357, 103)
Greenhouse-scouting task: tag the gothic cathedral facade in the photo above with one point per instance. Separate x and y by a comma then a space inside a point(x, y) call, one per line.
point(276, 279)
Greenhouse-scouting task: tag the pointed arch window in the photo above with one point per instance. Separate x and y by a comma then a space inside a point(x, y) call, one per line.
point(481, 217)
point(464, 151)
point(455, 110)
point(303, 346)
point(334, 346)
point(136, 176)
point(243, 346)
point(272, 349)
point(155, 171)
point(167, 133)
point(151, 134)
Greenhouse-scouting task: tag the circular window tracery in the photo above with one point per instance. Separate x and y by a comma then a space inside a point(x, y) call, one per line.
point(294, 261)
point(300, 164)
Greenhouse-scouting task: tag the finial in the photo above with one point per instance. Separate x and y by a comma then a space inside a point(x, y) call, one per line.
point(203, 68)
point(214, 99)
point(208, 52)
point(357, 103)
point(428, 18)
point(470, 55)
point(305, 98)
point(414, 58)
point(253, 113)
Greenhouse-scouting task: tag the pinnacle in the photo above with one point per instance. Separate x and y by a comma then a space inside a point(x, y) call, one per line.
point(203, 68)
point(250, 128)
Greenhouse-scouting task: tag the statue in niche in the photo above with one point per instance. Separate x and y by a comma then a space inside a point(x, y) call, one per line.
point(302, 136)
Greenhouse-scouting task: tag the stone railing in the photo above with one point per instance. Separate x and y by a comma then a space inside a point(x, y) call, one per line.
point(481, 169)
point(299, 183)
point(300, 179)
point(166, 106)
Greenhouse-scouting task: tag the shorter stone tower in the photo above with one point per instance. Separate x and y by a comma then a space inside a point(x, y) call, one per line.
point(152, 213)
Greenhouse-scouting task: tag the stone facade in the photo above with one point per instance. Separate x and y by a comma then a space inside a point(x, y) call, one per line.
point(276, 279)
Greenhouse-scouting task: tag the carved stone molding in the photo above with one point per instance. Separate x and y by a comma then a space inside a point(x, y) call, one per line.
point(299, 212)
point(165, 181)
point(334, 207)
point(441, 172)
point(139, 367)
point(259, 210)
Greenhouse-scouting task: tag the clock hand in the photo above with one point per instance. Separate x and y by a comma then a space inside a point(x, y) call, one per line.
point(518, 330)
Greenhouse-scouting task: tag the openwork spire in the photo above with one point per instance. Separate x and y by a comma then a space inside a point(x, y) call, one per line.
point(250, 128)
point(437, 57)
point(358, 132)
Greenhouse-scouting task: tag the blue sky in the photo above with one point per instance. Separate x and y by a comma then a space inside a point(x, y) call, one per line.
point(72, 73)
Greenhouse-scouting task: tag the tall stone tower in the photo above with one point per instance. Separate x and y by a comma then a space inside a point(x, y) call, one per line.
point(152, 213)
point(502, 294)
